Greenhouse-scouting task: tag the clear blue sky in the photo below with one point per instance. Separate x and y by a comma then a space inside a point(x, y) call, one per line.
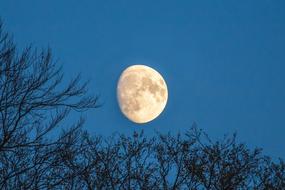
point(223, 61)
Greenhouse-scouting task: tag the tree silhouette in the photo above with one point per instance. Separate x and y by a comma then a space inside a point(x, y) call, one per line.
point(34, 101)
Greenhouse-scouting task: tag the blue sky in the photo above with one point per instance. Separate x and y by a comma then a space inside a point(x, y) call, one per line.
point(223, 61)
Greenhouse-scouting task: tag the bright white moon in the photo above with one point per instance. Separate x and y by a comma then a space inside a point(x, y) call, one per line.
point(142, 93)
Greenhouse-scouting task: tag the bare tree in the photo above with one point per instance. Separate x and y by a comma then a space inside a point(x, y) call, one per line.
point(33, 102)
point(189, 161)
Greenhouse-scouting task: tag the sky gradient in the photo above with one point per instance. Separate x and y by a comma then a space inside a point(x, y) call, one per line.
point(223, 61)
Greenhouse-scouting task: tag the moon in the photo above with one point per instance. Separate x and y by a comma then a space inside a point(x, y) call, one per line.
point(142, 93)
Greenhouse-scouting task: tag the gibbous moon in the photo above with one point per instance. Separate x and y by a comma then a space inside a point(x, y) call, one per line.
point(142, 93)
